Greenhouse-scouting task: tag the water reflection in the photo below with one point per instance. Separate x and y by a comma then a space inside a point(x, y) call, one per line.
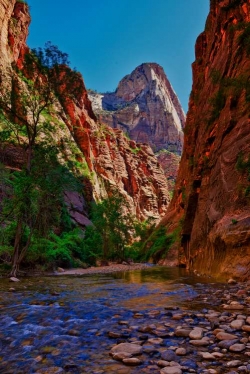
point(51, 321)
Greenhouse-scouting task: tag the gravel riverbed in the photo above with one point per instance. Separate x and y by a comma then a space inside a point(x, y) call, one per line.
point(149, 321)
point(212, 340)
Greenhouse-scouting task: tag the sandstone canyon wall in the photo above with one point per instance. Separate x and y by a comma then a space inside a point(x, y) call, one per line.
point(113, 161)
point(146, 108)
point(212, 194)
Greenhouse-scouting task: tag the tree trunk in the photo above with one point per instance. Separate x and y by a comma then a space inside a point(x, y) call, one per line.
point(29, 156)
point(15, 257)
point(19, 255)
point(14, 270)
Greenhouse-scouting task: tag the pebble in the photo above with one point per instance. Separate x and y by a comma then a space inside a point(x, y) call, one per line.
point(227, 343)
point(133, 361)
point(169, 355)
point(233, 364)
point(225, 336)
point(200, 343)
point(50, 370)
point(246, 328)
point(207, 355)
point(237, 306)
point(155, 341)
point(120, 356)
point(60, 270)
point(171, 370)
point(132, 349)
point(237, 347)
point(237, 324)
point(182, 332)
point(14, 279)
point(181, 351)
point(196, 333)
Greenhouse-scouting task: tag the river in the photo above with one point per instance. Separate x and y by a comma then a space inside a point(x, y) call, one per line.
point(64, 324)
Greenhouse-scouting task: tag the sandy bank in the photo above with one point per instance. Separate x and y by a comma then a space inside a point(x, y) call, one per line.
point(113, 268)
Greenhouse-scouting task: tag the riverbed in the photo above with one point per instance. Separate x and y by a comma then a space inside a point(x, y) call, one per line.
point(69, 324)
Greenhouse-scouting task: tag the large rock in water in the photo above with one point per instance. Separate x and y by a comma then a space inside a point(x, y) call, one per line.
point(110, 161)
point(145, 107)
point(212, 192)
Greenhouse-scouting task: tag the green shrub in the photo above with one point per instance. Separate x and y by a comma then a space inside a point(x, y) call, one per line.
point(234, 221)
point(218, 102)
point(135, 150)
point(64, 250)
point(160, 244)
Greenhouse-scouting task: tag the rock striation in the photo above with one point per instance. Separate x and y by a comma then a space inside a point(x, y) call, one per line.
point(145, 107)
point(212, 193)
point(115, 162)
point(14, 20)
point(169, 162)
point(112, 161)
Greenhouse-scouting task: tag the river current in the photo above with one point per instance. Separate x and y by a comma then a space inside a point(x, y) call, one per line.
point(61, 323)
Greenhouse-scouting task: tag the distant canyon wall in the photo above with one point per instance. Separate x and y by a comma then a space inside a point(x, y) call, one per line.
point(145, 107)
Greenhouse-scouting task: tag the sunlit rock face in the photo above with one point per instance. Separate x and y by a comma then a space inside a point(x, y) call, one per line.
point(117, 163)
point(212, 195)
point(14, 21)
point(113, 161)
point(145, 107)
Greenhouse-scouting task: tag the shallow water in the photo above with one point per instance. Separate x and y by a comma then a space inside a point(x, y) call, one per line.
point(63, 322)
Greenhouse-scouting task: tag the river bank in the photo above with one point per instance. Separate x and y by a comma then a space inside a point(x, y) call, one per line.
point(111, 268)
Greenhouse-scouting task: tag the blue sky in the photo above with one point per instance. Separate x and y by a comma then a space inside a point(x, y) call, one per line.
point(107, 39)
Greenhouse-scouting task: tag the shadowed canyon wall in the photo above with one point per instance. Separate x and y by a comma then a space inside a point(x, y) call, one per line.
point(212, 194)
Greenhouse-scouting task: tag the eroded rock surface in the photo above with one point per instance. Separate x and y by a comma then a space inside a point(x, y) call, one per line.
point(211, 198)
point(145, 107)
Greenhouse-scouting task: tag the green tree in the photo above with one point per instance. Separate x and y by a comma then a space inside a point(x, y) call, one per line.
point(35, 193)
point(34, 199)
point(142, 231)
point(112, 228)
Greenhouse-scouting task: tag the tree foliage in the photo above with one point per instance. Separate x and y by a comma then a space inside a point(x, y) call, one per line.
point(112, 228)
point(34, 195)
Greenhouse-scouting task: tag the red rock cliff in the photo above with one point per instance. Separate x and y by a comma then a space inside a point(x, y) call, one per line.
point(145, 107)
point(113, 160)
point(14, 21)
point(116, 162)
point(212, 194)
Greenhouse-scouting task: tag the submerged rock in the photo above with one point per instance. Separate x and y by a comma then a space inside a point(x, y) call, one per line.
point(128, 348)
